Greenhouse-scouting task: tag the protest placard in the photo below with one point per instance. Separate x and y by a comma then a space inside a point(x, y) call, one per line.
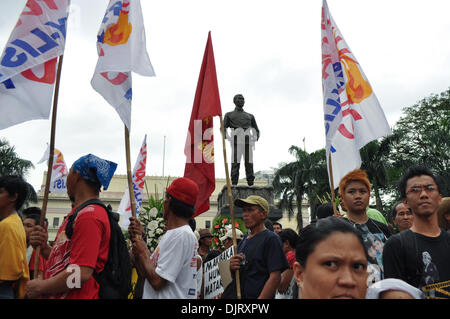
point(213, 287)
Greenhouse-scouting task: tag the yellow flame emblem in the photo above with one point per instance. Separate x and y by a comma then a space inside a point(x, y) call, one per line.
point(357, 87)
point(120, 32)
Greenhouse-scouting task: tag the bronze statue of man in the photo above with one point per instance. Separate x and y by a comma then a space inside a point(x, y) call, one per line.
point(244, 133)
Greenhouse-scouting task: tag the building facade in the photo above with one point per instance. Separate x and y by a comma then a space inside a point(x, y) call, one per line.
point(59, 205)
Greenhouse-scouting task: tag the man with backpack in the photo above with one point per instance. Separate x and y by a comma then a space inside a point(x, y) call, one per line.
point(82, 245)
point(420, 255)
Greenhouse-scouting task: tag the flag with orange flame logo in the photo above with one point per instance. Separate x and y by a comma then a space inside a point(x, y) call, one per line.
point(59, 171)
point(353, 115)
point(28, 64)
point(122, 49)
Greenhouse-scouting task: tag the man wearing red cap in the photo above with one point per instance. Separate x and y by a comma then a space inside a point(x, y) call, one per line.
point(170, 272)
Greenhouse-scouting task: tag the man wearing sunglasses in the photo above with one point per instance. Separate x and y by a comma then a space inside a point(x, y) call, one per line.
point(403, 254)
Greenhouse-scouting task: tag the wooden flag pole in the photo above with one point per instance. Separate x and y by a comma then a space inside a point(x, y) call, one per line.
point(50, 160)
point(230, 200)
point(129, 175)
point(333, 197)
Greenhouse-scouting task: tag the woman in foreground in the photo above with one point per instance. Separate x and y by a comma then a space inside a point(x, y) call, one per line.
point(331, 261)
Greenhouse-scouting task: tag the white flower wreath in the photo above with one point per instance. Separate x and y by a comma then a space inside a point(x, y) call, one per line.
point(153, 225)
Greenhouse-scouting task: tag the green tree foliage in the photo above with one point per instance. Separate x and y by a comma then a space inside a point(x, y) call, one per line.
point(375, 161)
point(12, 164)
point(422, 136)
point(307, 177)
point(289, 186)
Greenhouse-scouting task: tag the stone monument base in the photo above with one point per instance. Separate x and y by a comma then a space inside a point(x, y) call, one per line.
point(243, 191)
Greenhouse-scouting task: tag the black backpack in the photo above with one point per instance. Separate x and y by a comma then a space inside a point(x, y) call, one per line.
point(413, 264)
point(115, 279)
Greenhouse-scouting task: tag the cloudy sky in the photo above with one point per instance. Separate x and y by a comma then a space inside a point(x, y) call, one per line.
point(267, 50)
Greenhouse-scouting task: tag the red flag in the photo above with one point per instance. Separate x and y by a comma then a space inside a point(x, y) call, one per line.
point(199, 149)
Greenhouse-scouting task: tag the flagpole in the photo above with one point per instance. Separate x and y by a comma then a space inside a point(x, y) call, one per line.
point(50, 160)
point(129, 175)
point(230, 200)
point(333, 197)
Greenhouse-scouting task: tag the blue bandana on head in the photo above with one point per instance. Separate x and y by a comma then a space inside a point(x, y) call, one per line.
point(95, 169)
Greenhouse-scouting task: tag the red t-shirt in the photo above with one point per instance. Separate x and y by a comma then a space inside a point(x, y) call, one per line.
point(42, 261)
point(89, 246)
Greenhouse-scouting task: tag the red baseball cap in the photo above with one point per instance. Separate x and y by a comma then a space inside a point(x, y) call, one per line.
point(184, 189)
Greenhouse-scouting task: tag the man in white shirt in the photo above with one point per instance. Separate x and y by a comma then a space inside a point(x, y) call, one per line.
point(171, 271)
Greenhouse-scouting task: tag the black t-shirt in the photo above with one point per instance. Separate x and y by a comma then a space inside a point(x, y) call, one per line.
point(264, 254)
point(375, 235)
point(421, 261)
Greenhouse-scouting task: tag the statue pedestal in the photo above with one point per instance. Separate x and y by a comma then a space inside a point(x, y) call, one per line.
point(243, 191)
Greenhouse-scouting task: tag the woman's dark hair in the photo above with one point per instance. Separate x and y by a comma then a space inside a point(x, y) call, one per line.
point(15, 184)
point(415, 171)
point(289, 235)
point(313, 234)
point(179, 208)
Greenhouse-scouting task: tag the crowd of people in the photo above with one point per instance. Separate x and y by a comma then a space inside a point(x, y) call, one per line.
point(348, 251)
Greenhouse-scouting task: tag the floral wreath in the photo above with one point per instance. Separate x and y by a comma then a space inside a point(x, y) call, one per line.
point(221, 225)
point(153, 224)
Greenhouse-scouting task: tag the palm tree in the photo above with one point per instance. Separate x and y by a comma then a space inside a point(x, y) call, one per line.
point(12, 164)
point(289, 186)
point(306, 176)
point(374, 160)
point(316, 179)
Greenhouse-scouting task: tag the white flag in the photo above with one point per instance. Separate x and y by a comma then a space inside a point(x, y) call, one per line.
point(138, 185)
point(353, 115)
point(122, 49)
point(58, 179)
point(45, 156)
point(28, 62)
